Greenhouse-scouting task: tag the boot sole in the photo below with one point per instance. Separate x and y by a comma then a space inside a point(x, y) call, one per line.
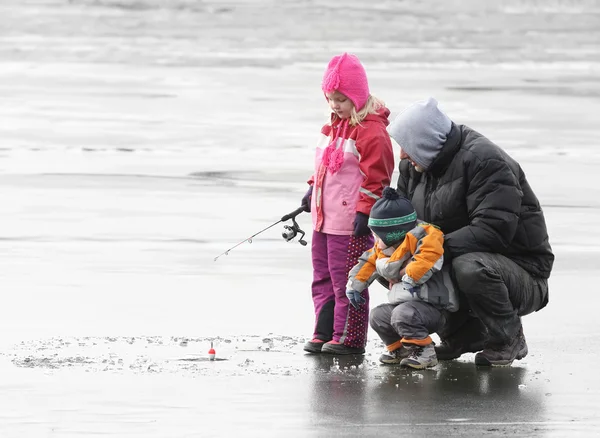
point(522, 353)
point(326, 350)
point(313, 348)
point(483, 361)
point(418, 366)
point(390, 362)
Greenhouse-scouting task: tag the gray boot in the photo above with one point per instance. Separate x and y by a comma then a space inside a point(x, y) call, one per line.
point(394, 357)
point(420, 357)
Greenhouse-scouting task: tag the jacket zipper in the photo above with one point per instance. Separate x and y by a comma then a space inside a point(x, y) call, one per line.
point(430, 186)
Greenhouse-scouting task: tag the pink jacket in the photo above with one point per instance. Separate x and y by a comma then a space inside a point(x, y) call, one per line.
point(366, 170)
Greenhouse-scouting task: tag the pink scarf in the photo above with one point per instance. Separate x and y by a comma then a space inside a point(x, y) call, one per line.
point(333, 157)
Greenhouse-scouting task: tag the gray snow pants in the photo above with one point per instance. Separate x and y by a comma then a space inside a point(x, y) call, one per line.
point(497, 291)
point(411, 319)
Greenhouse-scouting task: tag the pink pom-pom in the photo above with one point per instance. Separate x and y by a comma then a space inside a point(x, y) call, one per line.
point(331, 82)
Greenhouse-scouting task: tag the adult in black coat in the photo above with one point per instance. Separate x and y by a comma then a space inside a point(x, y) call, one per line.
point(495, 231)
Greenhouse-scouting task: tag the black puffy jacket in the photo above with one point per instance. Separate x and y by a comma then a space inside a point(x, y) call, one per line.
point(479, 197)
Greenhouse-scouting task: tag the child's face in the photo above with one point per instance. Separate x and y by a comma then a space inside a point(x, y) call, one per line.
point(379, 243)
point(340, 104)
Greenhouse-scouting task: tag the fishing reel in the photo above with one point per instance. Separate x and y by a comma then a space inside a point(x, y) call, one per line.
point(290, 232)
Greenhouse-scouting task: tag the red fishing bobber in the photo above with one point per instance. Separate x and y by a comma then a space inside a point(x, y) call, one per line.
point(211, 352)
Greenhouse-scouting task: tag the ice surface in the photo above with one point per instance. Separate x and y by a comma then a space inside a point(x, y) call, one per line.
point(140, 139)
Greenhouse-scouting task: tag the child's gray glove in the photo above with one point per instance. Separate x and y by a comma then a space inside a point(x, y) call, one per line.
point(412, 288)
point(356, 299)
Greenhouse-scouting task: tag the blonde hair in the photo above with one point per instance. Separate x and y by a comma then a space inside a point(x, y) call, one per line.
point(372, 105)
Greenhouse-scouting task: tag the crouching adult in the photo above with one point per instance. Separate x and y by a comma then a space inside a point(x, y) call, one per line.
point(494, 228)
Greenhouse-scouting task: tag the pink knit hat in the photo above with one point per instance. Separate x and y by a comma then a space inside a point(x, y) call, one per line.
point(346, 74)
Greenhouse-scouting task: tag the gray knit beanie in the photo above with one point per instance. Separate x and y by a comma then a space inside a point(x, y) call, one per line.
point(392, 217)
point(421, 130)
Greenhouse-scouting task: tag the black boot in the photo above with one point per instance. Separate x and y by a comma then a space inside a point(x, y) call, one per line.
point(314, 346)
point(333, 347)
point(469, 338)
point(503, 355)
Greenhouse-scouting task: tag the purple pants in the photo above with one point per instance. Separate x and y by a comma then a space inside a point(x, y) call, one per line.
point(335, 319)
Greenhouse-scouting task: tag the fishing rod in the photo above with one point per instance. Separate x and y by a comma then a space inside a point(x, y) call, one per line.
point(289, 232)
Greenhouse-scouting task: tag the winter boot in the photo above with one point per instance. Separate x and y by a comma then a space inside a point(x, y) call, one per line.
point(503, 355)
point(470, 338)
point(420, 356)
point(394, 357)
point(334, 347)
point(314, 346)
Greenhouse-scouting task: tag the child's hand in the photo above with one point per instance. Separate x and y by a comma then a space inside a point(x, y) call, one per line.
point(403, 269)
point(413, 289)
point(356, 299)
point(410, 285)
point(305, 204)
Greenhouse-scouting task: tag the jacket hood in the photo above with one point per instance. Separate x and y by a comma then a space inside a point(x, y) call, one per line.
point(421, 130)
point(382, 115)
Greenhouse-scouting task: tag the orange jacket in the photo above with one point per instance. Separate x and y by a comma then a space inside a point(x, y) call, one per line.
point(423, 245)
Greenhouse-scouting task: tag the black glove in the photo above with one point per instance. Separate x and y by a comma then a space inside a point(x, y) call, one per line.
point(447, 254)
point(307, 199)
point(361, 227)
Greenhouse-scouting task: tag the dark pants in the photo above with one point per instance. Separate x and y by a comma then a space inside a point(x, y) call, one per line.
point(411, 319)
point(496, 290)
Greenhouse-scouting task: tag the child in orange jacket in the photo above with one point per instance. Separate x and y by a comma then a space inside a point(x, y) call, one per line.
point(410, 255)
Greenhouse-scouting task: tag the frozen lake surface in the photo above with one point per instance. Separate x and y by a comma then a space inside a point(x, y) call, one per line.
point(139, 139)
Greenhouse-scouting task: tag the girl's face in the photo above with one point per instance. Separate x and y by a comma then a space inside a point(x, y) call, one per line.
point(340, 104)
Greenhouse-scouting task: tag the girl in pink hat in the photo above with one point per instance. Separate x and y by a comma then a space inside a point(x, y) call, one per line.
point(354, 161)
